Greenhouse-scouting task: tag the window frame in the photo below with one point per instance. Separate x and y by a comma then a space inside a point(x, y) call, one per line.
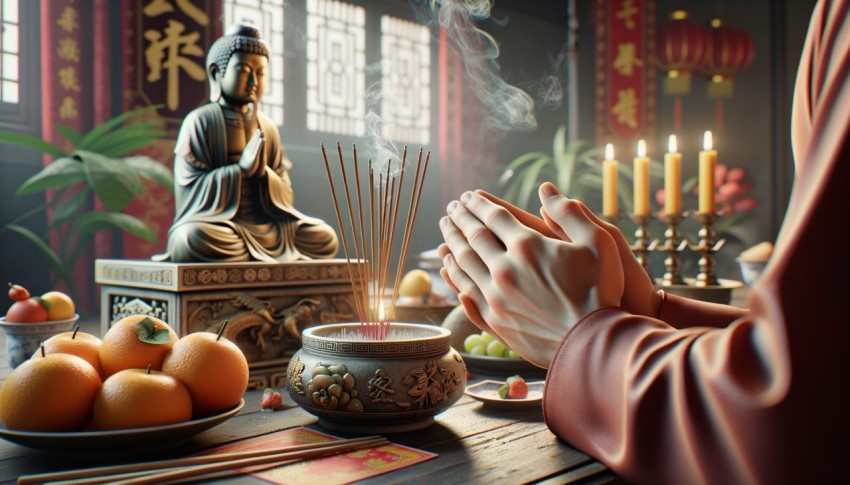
point(296, 136)
point(23, 116)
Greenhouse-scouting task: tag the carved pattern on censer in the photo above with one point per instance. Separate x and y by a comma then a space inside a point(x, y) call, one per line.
point(332, 387)
point(296, 382)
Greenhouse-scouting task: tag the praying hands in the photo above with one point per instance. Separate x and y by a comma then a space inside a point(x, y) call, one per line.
point(527, 280)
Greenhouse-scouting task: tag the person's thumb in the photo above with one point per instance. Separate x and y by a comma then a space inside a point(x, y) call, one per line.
point(563, 215)
point(571, 216)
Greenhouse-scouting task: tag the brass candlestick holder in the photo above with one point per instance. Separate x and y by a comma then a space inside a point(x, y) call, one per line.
point(707, 246)
point(673, 245)
point(612, 219)
point(642, 246)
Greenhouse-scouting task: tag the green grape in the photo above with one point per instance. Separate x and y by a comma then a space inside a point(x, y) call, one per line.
point(496, 349)
point(478, 350)
point(473, 341)
point(486, 338)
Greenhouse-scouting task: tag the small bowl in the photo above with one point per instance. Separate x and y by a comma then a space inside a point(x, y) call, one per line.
point(422, 312)
point(23, 339)
point(751, 270)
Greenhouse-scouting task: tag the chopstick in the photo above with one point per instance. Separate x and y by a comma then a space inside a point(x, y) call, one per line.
point(158, 471)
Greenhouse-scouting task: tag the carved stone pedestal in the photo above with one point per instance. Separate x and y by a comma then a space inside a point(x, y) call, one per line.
point(267, 304)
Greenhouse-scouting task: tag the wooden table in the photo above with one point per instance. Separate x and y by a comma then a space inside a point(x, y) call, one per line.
point(474, 445)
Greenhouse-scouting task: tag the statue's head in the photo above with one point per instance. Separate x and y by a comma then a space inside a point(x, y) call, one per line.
point(238, 57)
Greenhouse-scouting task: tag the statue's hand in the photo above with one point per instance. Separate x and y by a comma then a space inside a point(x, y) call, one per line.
point(251, 163)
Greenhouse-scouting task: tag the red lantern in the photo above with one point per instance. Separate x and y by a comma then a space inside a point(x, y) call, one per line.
point(732, 52)
point(682, 47)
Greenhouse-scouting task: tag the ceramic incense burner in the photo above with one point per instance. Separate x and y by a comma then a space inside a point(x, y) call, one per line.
point(376, 386)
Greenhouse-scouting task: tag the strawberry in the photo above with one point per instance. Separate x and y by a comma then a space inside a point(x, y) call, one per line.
point(271, 400)
point(514, 388)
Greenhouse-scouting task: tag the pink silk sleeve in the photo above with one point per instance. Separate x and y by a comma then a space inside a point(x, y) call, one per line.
point(680, 312)
point(763, 396)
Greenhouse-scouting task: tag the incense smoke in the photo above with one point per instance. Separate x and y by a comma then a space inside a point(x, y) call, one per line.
point(380, 150)
point(510, 107)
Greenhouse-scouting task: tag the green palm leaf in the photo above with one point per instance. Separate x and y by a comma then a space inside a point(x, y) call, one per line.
point(96, 221)
point(102, 129)
point(63, 172)
point(31, 142)
point(151, 169)
point(111, 182)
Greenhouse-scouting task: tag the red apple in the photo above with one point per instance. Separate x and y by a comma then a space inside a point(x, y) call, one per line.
point(31, 310)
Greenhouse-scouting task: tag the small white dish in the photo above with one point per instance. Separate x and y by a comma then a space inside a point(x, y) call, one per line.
point(488, 393)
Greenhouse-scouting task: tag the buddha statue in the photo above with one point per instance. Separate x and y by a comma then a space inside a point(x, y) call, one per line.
point(233, 196)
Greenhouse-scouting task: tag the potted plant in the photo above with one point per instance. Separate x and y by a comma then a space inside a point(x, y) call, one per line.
point(98, 166)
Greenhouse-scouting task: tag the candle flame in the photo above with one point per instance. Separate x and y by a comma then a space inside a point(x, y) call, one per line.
point(707, 141)
point(672, 146)
point(641, 149)
point(609, 151)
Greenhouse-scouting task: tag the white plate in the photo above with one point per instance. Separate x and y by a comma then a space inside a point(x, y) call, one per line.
point(488, 393)
point(115, 442)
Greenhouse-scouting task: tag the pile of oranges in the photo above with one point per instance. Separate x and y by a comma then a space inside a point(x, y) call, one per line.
point(140, 374)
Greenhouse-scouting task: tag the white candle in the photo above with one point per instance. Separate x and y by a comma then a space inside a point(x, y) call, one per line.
point(672, 178)
point(609, 183)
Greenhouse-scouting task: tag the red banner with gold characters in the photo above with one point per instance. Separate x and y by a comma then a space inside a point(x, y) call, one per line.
point(165, 44)
point(625, 77)
point(61, 65)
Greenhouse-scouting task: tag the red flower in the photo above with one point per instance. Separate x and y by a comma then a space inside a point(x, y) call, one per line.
point(732, 194)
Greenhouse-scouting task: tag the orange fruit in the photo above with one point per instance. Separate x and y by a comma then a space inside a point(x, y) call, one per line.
point(138, 398)
point(54, 393)
point(213, 368)
point(81, 344)
point(134, 342)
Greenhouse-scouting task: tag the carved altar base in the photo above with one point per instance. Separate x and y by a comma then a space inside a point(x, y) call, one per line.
point(267, 304)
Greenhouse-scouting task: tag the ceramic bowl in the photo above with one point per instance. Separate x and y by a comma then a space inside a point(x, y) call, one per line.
point(22, 339)
point(372, 386)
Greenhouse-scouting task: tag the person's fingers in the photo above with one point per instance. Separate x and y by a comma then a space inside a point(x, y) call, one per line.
point(494, 216)
point(570, 215)
point(479, 237)
point(462, 253)
point(444, 273)
point(463, 283)
point(472, 312)
point(529, 220)
point(642, 300)
point(554, 227)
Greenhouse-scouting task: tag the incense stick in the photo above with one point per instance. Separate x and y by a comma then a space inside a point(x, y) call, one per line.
point(385, 200)
point(171, 469)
